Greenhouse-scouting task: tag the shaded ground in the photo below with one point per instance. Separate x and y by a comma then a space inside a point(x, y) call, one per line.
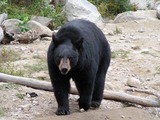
point(136, 49)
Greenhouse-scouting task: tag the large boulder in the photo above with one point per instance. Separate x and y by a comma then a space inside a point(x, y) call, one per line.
point(157, 8)
point(143, 4)
point(11, 26)
point(137, 15)
point(1, 34)
point(43, 20)
point(3, 17)
point(82, 9)
point(158, 11)
point(39, 28)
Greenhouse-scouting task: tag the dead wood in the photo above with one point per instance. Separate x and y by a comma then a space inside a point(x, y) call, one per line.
point(27, 37)
point(143, 91)
point(110, 95)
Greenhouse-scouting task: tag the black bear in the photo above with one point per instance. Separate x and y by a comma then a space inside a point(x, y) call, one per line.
point(80, 51)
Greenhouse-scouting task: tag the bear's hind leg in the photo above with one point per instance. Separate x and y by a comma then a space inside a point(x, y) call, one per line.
point(98, 90)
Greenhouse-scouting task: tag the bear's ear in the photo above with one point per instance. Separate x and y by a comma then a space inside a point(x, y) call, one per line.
point(55, 40)
point(78, 43)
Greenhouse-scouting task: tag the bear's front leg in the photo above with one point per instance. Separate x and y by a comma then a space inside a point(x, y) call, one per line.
point(85, 90)
point(61, 91)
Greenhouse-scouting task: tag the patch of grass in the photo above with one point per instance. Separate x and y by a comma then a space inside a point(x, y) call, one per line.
point(9, 68)
point(9, 86)
point(121, 54)
point(145, 52)
point(157, 70)
point(117, 31)
point(2, 111)
point(20, 95)
point(41, 65)
point(8, 55)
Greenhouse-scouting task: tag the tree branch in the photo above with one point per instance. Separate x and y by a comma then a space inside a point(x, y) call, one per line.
point(110, 95)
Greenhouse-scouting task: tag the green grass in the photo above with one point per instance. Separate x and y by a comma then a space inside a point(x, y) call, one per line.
point(120, 54)
point(8, 55)
point(9, 68)
point(41, 65)
point(157, 70)
point(2, 112)
point(9, 86)
point(20, 95)
point(110, 8)
point(117, 31)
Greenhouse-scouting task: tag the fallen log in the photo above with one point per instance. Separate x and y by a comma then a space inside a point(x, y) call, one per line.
point(109, 95)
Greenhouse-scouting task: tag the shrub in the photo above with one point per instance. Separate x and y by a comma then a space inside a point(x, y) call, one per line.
point(24, 9)
point(109, 8)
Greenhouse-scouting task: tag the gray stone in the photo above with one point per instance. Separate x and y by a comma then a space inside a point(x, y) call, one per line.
point(143, 4)
point(134, 82)
point(135, 15)
point(41, 29)
point(43, 20)
point(11, 26)
point(1, 34)
point(82, 9)
point(3, 17)
point(158, 11)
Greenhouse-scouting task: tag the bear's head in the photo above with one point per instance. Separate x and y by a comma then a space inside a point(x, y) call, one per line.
point(66, 53)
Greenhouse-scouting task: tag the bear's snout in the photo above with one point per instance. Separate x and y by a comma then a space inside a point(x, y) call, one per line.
point(64, 66)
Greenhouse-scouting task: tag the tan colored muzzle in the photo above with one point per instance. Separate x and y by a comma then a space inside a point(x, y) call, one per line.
point(64, 66)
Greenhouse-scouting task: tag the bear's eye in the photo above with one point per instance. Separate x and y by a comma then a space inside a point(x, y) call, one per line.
point(70, 57)
point(59, 56)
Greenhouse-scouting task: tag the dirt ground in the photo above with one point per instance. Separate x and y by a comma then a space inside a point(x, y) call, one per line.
point(136, 54)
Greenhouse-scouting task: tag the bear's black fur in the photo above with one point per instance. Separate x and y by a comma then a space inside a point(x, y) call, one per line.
point(79, 51)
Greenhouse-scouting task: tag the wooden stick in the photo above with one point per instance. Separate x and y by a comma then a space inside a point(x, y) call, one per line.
point(110, 95)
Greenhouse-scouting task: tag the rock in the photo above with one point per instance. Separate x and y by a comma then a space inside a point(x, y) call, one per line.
point(135, 47)
point(3, 17)
point(1, 34)
point(158, 11)
point(43, 20)
point(11, 26)
point(143, 4)
point(26, 107)
point(41, 29)
point(135, 15)
point(134, 82)
point(82, 9)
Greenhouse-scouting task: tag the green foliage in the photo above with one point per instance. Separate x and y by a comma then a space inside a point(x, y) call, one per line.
point(24, 9)
point(8, 55)
point(20, 95)
point(41, 65)
point(2, 112)
point(120, 54)
point(10, 69)
point(8, 86)
point(117, 31)
point(109, 8)
point(157, 69)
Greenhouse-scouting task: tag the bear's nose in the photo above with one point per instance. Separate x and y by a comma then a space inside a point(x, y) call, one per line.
point(64, 71)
